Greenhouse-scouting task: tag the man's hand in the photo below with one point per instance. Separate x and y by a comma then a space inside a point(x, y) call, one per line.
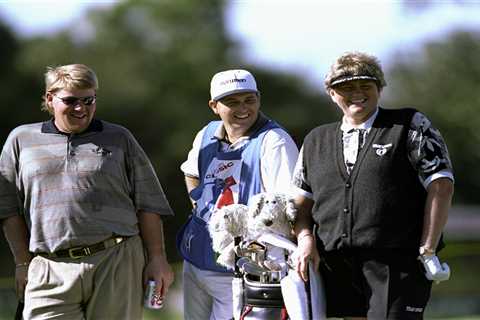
point(307, 248)
point(433, 269)
point(15, 230)
point(305, 253)
point(159, 270)
point(21, 278)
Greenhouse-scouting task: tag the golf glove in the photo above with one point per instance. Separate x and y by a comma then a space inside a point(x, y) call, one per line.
point(433, 269)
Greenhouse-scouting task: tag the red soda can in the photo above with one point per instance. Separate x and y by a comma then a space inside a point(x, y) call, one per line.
point(152, 300)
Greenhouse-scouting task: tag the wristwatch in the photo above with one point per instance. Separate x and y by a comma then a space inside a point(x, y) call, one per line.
point(425, 251)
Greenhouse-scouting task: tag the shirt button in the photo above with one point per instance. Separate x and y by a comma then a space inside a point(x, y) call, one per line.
point(348, 185)
point(344, 235)
point(345, 210)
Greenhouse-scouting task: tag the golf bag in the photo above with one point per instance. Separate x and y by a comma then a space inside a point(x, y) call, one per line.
point(260, 293)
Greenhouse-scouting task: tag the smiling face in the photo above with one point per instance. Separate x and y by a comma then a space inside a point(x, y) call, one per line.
point(73, 118)
point(358, 99)
point(238, 112)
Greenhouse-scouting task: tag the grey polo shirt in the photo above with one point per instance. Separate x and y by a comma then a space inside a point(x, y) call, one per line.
point(77, 189)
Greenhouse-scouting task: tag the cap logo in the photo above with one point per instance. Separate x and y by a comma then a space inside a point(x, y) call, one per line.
point(232, 81)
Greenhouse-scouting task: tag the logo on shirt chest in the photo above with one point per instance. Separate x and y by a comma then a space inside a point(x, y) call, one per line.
point(382, 149)
point(222, 167)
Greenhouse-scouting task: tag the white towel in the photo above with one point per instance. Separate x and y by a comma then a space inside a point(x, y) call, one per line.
point(295, 297)
point(317, 293)
point(237, 295)
point(293, 288)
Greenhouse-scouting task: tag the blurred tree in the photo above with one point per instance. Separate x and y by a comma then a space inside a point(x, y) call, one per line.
point(19, 88)
point(18, 92)
point(154, 61)
point(443, 82)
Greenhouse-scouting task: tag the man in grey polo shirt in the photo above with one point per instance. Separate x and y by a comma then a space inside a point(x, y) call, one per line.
point(81, 209)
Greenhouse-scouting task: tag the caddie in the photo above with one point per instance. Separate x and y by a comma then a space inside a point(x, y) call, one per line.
point(231, 160)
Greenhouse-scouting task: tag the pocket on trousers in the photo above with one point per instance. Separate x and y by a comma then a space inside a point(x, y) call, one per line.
point(37, 271)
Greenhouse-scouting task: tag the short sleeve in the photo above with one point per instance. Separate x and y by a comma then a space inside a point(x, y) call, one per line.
point(148, 193)
point(427, 150)
point(279, 155)
point(190, 166)
point(300, 185)
point(9, 201)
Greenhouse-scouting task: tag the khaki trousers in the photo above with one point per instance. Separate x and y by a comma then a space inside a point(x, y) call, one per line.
point(107, 285)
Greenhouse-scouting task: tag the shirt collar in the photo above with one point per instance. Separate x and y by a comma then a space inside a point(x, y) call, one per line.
point(346, 127)
point(50, 127)
point(221, 134)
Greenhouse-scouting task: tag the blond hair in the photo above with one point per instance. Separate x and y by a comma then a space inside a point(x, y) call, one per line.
point(353, 66)
point(71, 76)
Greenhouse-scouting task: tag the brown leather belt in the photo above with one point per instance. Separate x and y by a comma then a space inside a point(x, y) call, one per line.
point(80, 252)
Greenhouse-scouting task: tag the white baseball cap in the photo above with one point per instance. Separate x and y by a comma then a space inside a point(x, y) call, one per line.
point(232, 81)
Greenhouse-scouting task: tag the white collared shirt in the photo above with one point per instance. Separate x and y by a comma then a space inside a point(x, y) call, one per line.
point(277, 159)
point(354, 138)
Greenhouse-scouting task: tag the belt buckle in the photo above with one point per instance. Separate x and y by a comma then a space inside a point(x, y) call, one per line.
point(119, 239)
point(83, 252)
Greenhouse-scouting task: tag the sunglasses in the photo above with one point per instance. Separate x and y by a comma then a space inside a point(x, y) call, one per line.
point(73, 101)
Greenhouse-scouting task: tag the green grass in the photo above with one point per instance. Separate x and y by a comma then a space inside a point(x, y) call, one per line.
point(456, 318)
point(460, 250)
point(161, 314)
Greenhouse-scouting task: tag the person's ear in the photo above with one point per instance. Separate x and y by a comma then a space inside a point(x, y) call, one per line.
point(213, 105)
point(331, 93)
point(48, 97)
point(49, 101)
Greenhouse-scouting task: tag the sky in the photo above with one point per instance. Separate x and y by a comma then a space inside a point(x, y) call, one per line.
point(301, 36)
point(307, 36)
